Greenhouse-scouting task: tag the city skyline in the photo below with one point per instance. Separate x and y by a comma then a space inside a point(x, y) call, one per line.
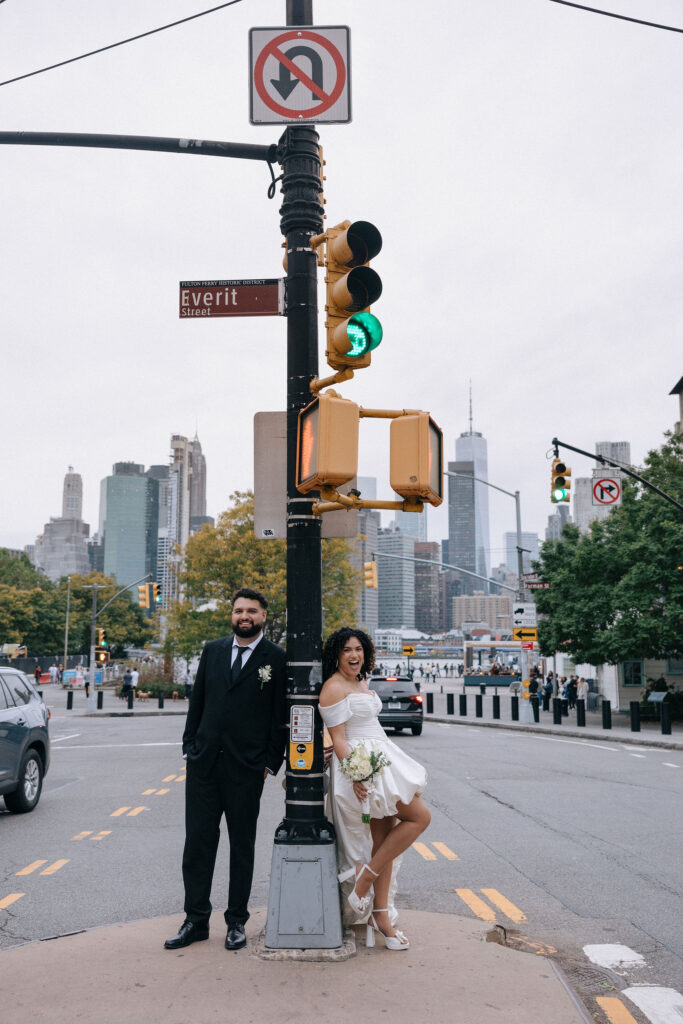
point(549, 276)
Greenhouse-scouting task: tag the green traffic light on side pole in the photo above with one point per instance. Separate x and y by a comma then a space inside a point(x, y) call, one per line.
point(364, 332)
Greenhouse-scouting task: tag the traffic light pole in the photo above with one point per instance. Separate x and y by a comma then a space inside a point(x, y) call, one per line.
point(303, 902)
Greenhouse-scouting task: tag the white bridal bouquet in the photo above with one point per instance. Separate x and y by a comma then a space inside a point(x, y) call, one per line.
point(363, 765)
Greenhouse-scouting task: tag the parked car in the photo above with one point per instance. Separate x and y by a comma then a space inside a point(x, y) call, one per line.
point(401, 703)
point(24, 741)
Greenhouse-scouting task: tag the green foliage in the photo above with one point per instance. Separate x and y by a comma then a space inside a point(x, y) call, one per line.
point(221, 559)
point(617, 592)
point(18, 572)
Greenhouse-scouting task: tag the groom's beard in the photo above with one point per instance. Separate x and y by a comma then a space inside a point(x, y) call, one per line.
point(247, 632)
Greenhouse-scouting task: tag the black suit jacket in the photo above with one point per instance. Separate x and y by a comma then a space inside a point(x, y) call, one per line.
point(245, 718)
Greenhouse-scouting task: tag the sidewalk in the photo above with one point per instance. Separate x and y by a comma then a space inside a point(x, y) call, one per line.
point(650, 734)
point(122, 975)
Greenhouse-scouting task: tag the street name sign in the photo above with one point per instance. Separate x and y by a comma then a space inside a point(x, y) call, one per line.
point(261, 297)
point(524, 633)
point(535, 585)
point(299, 75)
point(524, 613)
point(606, 489)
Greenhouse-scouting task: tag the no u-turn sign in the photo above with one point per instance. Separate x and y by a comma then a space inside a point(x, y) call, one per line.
point(299, 75)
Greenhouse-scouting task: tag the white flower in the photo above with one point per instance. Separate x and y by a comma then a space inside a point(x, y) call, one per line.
point(264, 674)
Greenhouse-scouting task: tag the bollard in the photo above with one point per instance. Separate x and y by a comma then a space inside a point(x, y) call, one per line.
point(463, 704)
point(100, 700)
point(534, 707)
point(564, 704)
point(557, 711)
point(130, 700)
point(430, 703)
point(666, 718)
point(635, 715)
point(450, 703)
point(478, 705)
point(161, 698)
point(514, 708)
point(546, 702)
point(482, 688)
point(496, 706)
point(606, 715)
point(70, 700)
point(580, 712)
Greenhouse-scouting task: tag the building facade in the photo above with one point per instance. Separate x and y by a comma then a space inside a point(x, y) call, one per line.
point(583, 509)
point(130, 523)
point(62, 548)
point(396, 577)
point(492, 610)
point(428, 610)
point(529, 554)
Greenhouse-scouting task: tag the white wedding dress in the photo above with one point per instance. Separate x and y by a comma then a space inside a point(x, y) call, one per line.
point(401, 781)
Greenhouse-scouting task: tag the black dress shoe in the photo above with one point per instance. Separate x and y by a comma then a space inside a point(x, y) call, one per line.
point(235, 938)
point(189, 933)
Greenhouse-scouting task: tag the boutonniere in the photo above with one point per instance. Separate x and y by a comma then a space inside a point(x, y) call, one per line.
point(264, 674)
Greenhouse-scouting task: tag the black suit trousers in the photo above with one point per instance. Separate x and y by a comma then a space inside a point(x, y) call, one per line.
point(232, 790)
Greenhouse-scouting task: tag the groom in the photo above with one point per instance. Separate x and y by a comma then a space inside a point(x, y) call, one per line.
point(234, 738)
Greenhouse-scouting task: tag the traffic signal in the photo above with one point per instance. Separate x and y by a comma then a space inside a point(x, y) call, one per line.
point(352, 286)
point(560, 482)
point(156, 593)
point(101, 638)
point(370, 574)
point(327, 442)
point(101, 656)
point(143, 595)
point(416, 464)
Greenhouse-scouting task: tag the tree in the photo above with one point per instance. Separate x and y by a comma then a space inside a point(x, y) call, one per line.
point(218, 560)
point(617, 592)
point(17, 571)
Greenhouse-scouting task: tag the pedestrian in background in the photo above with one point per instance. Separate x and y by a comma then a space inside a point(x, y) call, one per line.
point(37, 673)
point(571, 691)
point(53, 673)
point(582, 690)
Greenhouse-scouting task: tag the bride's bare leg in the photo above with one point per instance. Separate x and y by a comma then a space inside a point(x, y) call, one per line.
point(413, 820)
point(380, 828)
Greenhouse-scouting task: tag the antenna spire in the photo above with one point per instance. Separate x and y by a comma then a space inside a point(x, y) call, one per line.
point(470, 405)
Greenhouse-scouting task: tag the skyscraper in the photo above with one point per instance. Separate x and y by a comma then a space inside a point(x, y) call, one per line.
point(468, 508)
point(62, 548)
point(529, 555)
point(428, 608)
point(584, 511)
point(413, 524)
point(396, 578)
point(131, 522)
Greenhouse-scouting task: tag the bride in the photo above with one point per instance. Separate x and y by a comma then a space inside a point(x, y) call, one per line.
point(398, 815)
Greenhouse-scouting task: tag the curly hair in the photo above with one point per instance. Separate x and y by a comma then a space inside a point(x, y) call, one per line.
point(335, 644)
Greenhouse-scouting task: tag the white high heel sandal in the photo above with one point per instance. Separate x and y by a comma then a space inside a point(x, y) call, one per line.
point(394, 942)
point(359, 904)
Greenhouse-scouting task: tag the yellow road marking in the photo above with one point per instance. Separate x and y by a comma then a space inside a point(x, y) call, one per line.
point(9, 900)
point(424, 851)
point(448, 853)
point(147, 792)
point(136, 810)
point(476, 905)
point(101, 835)
point(181, 778)
point(160, 792)
point(615, 1010)
point(54, 867)
point(509, 909)
point(121, 810)
point(82, 835)
point(32, 867)
point(169, 778)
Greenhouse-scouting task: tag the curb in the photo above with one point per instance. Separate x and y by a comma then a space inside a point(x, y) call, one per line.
point(607, 735)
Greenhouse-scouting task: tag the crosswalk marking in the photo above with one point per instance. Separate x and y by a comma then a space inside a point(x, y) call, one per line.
point(447, 853)
point(148, 792)
point(614, 1010)
point(424, 851)
point(32, 867)
point(9, 900)
point(54, 867)
point(508, 908)
point(117, 814)
point(81, 835)
point(660, 1005)
point(160, 792)
point(135, 811)
point(181, 778)
point(169, 778)
point(477, 906)
point(668, 764)
point(101, 835)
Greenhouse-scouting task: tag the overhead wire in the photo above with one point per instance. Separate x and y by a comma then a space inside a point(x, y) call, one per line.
point(121, 42)
point(620, 17)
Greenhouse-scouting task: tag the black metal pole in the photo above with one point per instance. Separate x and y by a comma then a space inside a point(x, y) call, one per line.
point(534, 707)
point(430, 703)
point(580, 712)
point(463, 704)
point(666, 718)
point(606, 714)
point(635, 715)
point(514, 708)
point(496, 706)
point(557, 711)
point(450, 703)
point(154, 143)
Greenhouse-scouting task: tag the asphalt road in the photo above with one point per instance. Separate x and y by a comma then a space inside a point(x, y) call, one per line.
point(563, 842)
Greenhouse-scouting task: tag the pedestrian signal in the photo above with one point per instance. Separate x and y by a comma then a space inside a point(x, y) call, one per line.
point(416, 459)
point(560, 482)
point(327, 443)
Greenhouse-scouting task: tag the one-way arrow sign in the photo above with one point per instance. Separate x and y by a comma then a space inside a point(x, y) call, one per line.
point(524, 633)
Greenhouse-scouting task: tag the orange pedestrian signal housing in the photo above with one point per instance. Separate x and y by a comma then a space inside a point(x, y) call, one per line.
point(416, 467)
point(327, 443)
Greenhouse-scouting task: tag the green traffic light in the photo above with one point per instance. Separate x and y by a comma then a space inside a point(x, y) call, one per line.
point(559, 494)
point(364, 332)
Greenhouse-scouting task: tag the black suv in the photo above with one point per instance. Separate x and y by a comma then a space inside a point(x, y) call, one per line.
point(24, 741)
point(401, 703)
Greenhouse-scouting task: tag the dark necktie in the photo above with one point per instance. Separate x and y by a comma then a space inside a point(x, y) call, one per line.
point(237, 665)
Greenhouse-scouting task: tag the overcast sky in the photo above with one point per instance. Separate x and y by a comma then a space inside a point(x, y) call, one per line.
point(522, 160)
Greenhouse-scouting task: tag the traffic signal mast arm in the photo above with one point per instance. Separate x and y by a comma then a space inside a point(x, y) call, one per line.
point(617, 465)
